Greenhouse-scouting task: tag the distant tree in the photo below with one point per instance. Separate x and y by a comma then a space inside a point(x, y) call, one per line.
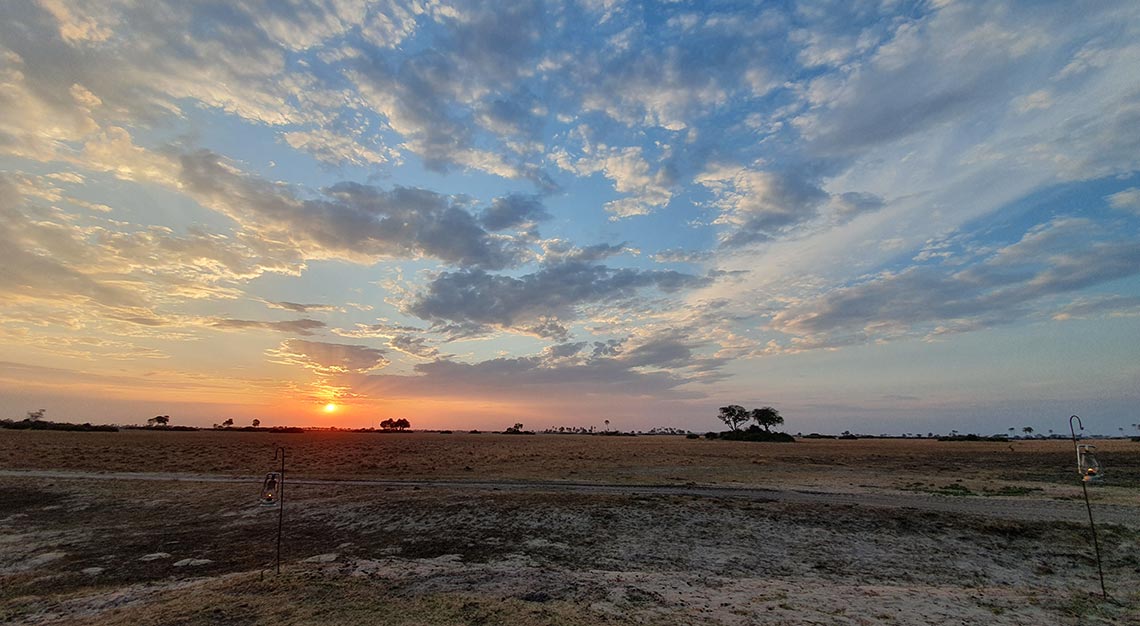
point(229, 422)
point(1028, 430)
point(161, 420)
point(733, 416)
point(516, 429)
point(607, 424)
point(36, 415)
point(256, 422)
point(388, 424)
point(402, 424)
point(767, 417)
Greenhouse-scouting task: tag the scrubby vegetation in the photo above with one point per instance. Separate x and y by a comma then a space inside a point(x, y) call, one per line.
point(30, 424)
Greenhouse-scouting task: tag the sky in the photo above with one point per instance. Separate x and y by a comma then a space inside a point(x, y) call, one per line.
point(883, 217)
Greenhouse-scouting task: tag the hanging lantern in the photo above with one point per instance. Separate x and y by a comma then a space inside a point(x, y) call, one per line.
point(271, 489)
point(1087, 464)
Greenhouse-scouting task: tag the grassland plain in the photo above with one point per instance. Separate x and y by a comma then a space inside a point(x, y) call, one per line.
point(470, 547)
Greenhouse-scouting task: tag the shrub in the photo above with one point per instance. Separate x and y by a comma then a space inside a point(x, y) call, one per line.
point(757, 435)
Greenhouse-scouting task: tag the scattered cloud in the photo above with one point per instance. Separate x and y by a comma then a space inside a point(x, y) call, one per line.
point(539, 303)
point(1052, 259)
point(304, 327)
point(328, 358)
point(301, 308)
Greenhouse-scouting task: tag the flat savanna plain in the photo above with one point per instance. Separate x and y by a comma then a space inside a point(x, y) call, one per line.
point(141, 527)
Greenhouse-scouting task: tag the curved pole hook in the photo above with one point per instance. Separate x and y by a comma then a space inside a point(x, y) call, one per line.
point(1079, 423)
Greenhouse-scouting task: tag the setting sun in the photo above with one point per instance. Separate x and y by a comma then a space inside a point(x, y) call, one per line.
point(330, 407)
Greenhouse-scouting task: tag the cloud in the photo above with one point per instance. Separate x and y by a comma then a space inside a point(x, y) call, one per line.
point(434, 97)
point(674, 74)
point(1127, 200)
point(350, 220)
point(1100, 307)
point(303, 327)
point(406, 339)
point(630, 173)
point(335, 148)
point(657, 367)
point(1052, 259)
point(536, 302)
point(512, 211)
point(328, 358)
point(759, 205)
point(300, 308)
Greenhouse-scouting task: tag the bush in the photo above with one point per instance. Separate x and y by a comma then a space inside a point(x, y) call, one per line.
point(692, 436)
point(757, 435)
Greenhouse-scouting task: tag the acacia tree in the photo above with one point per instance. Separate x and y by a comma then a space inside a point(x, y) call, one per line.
point(229, 422)
point(767, 417)
point(36, 415)
point(388, 424)
point(733, 415)
point(402, 424)
point(256, 422)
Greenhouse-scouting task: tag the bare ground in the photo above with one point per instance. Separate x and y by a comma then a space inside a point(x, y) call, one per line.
point(491, 551)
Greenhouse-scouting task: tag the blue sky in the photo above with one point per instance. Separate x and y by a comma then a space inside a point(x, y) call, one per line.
point(876, 216)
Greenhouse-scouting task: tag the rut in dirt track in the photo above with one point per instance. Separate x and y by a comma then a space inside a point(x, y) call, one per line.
point(1007, 508)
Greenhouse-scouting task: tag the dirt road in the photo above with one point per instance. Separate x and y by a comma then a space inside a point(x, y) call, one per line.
point(1017, 508)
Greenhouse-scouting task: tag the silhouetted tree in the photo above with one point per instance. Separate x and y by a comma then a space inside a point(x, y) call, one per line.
point(767, 417)
point(402, 424)
point(36, 415)
point(1028, 430)
point(388, 424)
point(229, 422)
point(733, 415)
point(256, 422)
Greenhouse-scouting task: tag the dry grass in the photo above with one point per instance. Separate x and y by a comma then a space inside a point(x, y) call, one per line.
point(891, 463)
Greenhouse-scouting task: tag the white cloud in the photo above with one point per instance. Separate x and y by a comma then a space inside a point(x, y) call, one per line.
point(1127, 200)
point(631, 174)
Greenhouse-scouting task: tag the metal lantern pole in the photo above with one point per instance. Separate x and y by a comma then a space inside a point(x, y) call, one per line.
point(1088, 505)
point(281, 503)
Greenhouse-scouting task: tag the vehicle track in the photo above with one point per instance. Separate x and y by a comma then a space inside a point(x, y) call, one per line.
point(1025, 509)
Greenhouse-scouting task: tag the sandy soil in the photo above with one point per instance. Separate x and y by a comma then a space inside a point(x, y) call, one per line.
point(835, 541)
